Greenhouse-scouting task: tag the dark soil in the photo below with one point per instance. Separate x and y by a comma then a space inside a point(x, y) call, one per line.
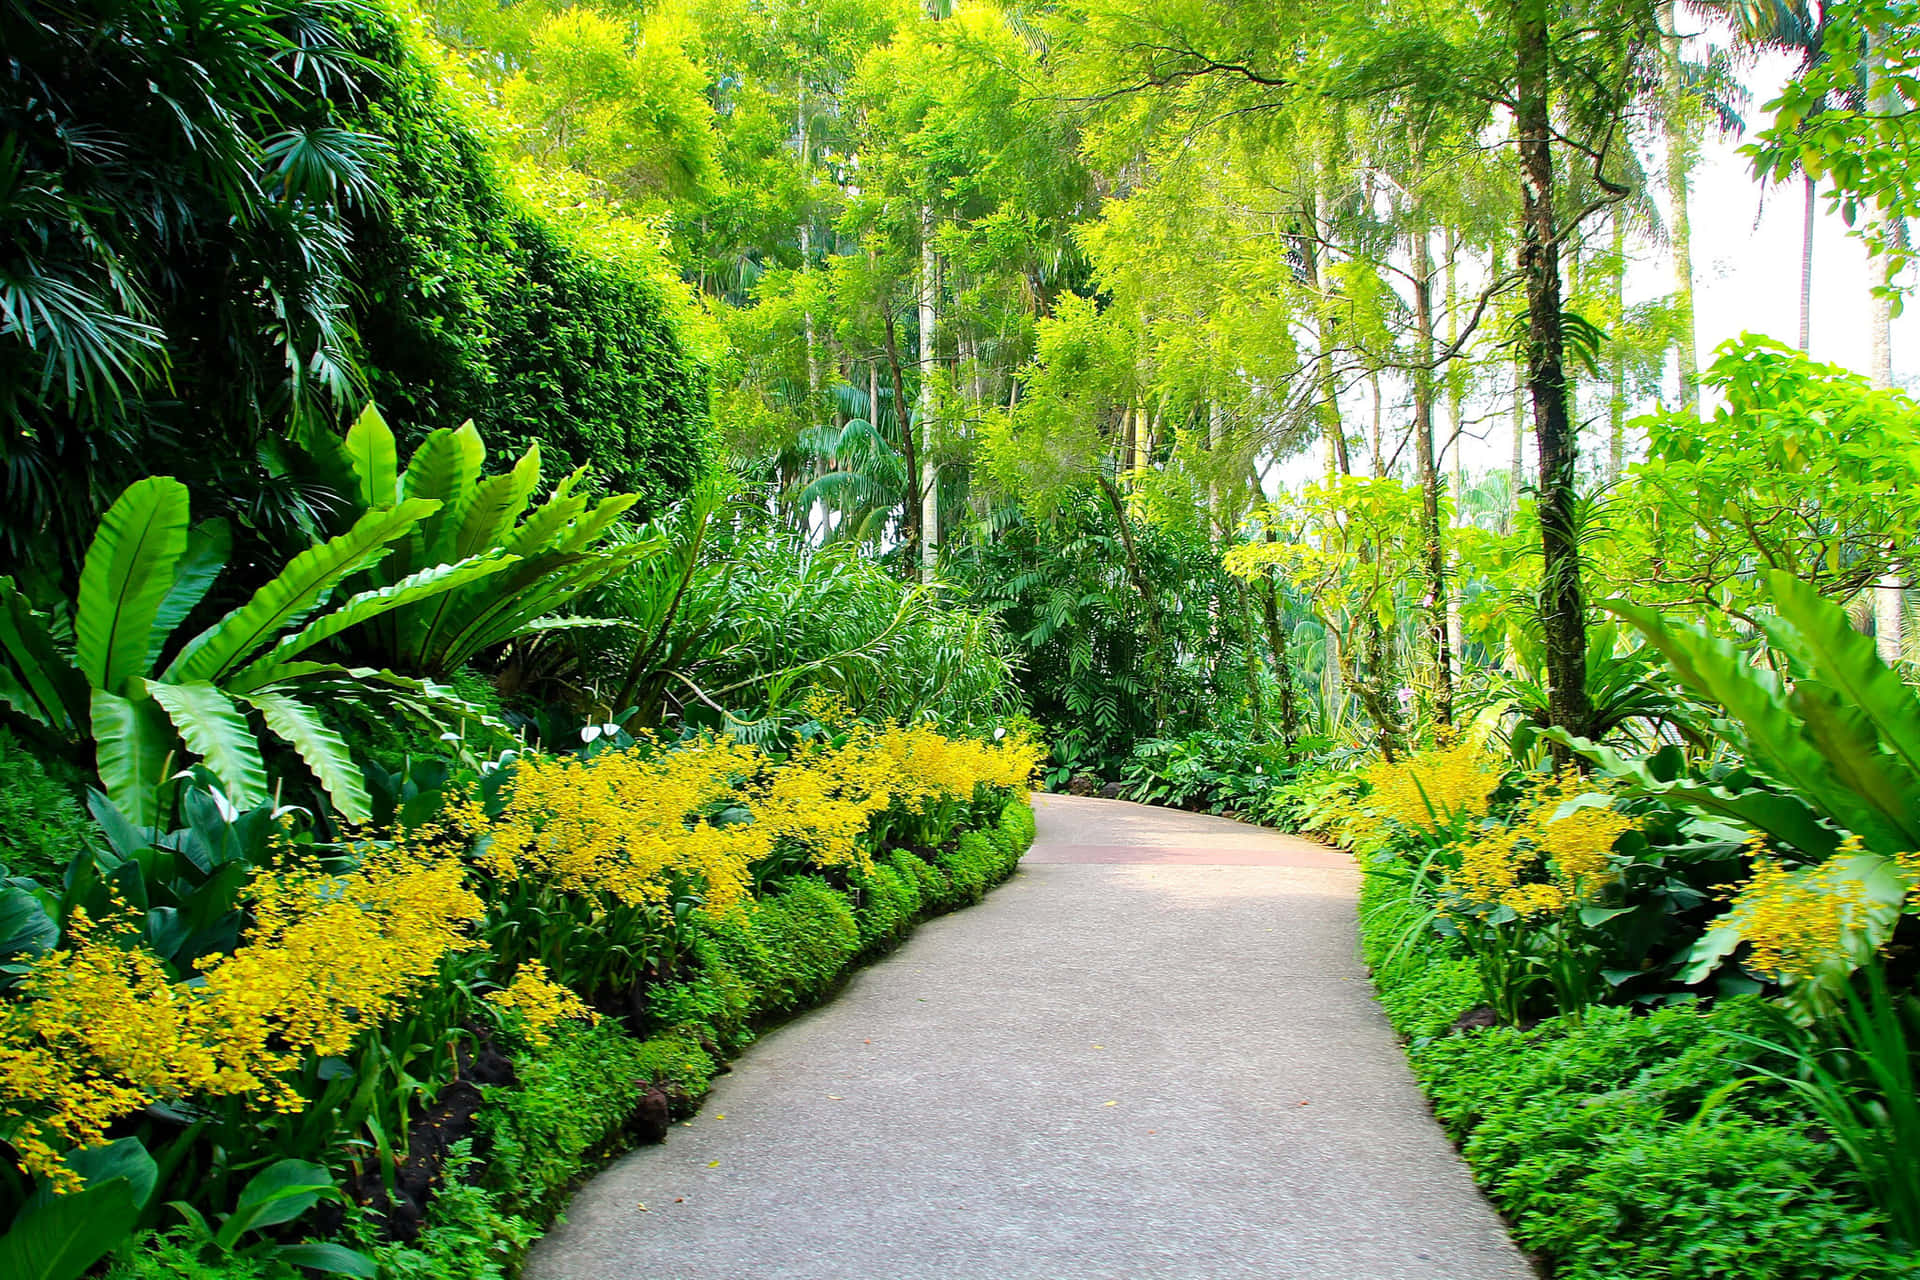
point(431, 1134)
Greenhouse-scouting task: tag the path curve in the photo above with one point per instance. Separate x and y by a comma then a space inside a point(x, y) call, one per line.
point(1153, 1053)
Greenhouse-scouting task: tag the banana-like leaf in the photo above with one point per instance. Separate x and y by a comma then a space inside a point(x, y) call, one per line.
point(1774, 738)
point(548, 523)
point(375, 460)
point(1784, 818)
point(370, 685)
point(533, 589)
point(590, 528)
point(134, 746)
point(497, 504)
point(320, 745)
point(41, 685)
point(128, 571)
point(1851, 745)
point(363, 607)
point(445, 468)
point(209, 544)
point(1816, 633)
point(301, 586)
point(216, 730)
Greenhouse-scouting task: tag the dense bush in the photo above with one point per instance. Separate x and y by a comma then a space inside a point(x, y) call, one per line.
point(1621, 1143)
point(478, 307)
point(229, 225)
point(42, 825)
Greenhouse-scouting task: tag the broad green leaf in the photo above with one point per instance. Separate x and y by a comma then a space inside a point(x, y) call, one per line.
point(589, 528)
point(376, 462)
point(217, 731)
point(208, 545)
point(128, 572)
point(320, 745)
point(279, 1193)
point(367, 605)
point(497, 504)
point(445, 468)
point(134, 748)
point(62, 1237)
point(42, 684)
point(25, 924)
point(549, 521)
point(302, 585)
point(126, 1158)
point(1776, 740)
point(333, 1259)
point(1818, 633)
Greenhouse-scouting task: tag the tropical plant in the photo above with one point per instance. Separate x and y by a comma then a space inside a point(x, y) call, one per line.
point(511, 568)
point(175, 187)
point(149, 700)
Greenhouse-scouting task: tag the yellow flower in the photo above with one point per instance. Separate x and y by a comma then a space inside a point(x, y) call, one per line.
point(1429, 790)
point(1796, 919)
point(540, 1002)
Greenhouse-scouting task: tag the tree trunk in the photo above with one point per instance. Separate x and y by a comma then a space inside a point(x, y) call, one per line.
point(1807, 221)
point(1434, 551)
point(1149, 599)
point(1517, 469)
point(1282, 660)
point(1216, 439)
point(1889, 595)
point(1456, 631)
point(1616, 357)
point(1679, 175)
point(1379, 411)
point(910, 499)
point(1562, 610)
point(929, 339)
point(1332, 432)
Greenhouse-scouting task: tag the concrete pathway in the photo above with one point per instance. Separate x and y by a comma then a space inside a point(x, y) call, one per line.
point(1153, 1053)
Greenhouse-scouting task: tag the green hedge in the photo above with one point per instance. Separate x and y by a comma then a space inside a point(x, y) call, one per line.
point(478, 308)
point(1621, 1144)
point(576, 1096)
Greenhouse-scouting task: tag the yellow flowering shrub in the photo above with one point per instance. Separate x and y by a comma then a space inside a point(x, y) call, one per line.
point(1429, 790)
point(627, 822)
point(101, 1029)
point(1796, 920)
point(1544, 860)
point(540, 1002)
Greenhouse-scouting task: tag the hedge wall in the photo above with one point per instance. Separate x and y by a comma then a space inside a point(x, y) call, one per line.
point(478, 308)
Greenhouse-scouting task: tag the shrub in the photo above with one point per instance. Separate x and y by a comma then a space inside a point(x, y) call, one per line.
point(573, 1101)
point(1625, 1142)
point(41, 824)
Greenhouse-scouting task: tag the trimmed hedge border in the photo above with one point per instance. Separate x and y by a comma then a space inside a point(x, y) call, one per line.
point(593, 1091)
point(1624, 1145)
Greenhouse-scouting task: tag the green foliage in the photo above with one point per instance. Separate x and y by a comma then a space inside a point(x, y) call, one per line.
point(1090, 670)
point(569, 1108)
point(42, 826)
point(1804, 469)
point(1625, 1144)
point(481, 568)
point(178, 181)
point(483, 309)
point(753, 620)
point(143, 576)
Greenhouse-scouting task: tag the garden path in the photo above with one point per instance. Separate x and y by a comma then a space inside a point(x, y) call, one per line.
point(1153, 1053)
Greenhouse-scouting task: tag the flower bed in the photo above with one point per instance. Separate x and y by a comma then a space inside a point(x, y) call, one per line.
point(411, 1047)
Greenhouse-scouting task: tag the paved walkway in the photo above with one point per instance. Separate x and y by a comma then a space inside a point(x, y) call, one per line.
point(1153, 1053)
